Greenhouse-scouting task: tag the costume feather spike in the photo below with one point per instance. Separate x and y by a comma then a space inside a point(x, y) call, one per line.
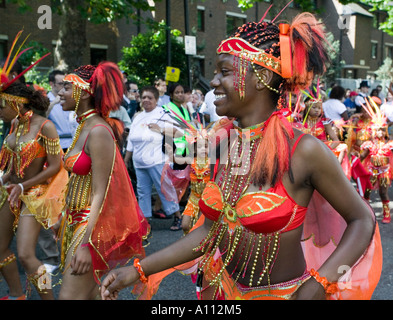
point(377, 117)
point(10, 62)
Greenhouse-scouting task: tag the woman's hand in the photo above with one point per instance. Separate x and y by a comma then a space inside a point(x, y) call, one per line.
point(81, 261)
point(14, 191)
point(117, 280)
point(310, 290)
point(154, 127)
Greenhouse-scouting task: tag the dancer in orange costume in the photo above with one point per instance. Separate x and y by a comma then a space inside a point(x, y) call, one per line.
point(376, 155)
point(102, 225)
point(255, 206)
point(32, 185)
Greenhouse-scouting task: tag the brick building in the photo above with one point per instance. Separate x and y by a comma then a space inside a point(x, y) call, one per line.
point(363, 47)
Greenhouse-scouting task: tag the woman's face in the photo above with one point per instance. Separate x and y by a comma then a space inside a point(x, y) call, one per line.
point(7, 112)
point(66, 100)
point(227, 101)
point(178, 96)
point(148, 101)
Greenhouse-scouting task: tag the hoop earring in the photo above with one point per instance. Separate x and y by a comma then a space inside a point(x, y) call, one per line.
point(263, 81)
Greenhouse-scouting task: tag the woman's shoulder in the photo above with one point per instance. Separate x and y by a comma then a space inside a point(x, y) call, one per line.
point(306, 145)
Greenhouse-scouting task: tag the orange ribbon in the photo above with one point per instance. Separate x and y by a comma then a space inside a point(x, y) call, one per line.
point(285, 50)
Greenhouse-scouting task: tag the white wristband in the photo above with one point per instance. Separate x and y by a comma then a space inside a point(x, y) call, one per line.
point(21, 186)
point(1, 181)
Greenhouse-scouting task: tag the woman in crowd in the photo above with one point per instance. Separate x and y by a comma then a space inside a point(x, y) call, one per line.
point(145, 147)
point(255, 206)
point(102, 225)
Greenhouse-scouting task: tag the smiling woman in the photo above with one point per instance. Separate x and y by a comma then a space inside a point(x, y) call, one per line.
point(102, 224)
point(256, 206)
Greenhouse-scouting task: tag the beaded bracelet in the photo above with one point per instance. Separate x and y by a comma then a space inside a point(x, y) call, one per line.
point(329, 287)
point(138, 267)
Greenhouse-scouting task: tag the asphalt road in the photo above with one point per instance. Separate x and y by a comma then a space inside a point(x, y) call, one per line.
point(180, 287)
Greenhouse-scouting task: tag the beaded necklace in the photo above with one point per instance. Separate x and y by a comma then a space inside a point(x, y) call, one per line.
point(81, 121)
point(23, 124)
point(253, 251)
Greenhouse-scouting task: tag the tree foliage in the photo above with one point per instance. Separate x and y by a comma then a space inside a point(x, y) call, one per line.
point(145, 58)
point(96, 11)
point(306, 5)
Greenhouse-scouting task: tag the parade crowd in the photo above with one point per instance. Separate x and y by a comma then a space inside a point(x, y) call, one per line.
point(252, 172)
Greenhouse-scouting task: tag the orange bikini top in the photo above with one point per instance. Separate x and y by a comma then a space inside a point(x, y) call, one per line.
point(23, 156)
point(264, 212)
point(80, 163)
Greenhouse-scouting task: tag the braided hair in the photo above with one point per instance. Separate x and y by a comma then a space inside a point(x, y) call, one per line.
point(264, 35)
point(309, 58)
point(106, 82)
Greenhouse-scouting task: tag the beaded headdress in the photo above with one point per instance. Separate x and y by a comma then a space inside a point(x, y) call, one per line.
point(296, 54)
point(104, 82)
point(80, 80)
point(6, 69)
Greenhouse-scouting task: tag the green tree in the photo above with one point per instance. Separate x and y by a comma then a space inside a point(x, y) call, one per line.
point(145, 58)
point(73, 16)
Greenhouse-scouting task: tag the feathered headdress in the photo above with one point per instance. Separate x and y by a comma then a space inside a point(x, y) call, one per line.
point(10, 61)
point(104, 82)
point(197, 130)
point(378, 118)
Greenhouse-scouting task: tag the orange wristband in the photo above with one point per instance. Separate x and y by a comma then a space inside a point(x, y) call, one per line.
point(329, 287)
point(138, 267)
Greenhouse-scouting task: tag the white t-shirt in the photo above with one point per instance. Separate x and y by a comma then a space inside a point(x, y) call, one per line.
point(209, 107)
point(387, 110)
point(333, 109)
point(145, 144)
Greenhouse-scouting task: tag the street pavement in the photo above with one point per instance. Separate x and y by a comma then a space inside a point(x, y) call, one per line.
point(180, 287)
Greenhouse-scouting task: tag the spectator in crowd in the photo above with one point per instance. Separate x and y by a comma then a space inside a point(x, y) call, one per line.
point(334, 107)
point(363, 92)
point(350, 103)
point(63, 120)
point(387, 110)
point(198, 104)
point(209, 109)
point(161, 86)
point(145, 148)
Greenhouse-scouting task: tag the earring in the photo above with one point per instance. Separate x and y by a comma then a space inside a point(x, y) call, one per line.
point(263, 81)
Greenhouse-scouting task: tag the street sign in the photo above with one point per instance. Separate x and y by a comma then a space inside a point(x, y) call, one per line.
point(172, 74)
point(190, 45)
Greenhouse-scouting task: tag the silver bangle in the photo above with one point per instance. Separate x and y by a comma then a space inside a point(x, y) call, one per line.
point(21, 186)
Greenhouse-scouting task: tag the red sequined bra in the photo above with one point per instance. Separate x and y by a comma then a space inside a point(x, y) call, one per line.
point(264, 212)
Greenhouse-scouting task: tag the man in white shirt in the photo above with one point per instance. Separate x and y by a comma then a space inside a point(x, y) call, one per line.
point(64, 121)
point(363, 92)
point(161, 86)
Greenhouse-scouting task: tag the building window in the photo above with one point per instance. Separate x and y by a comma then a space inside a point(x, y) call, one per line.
point(97, 55)
point(3, 49)
point(2, 3)
point(234, 20)
point(389, 51)
point(374, 50)
point(201, 18)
